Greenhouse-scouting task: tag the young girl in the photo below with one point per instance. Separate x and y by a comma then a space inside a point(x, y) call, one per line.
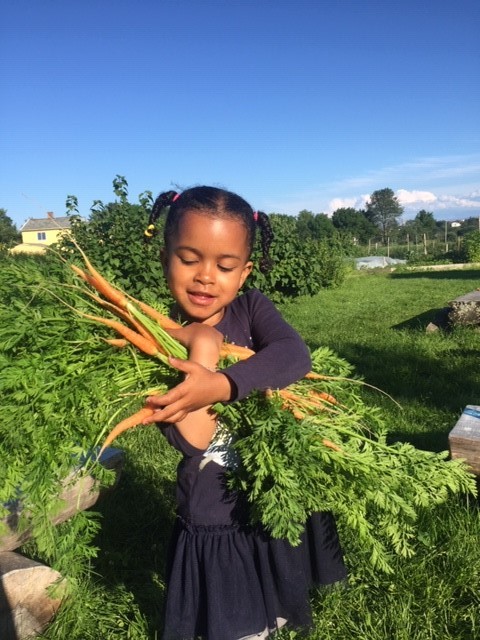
point(227, 579)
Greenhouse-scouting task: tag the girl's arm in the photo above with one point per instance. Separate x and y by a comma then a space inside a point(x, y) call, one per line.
point(281, 357)
point(188, 405)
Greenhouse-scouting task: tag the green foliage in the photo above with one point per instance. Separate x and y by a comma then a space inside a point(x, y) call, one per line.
point(120, 188)
point(300, 267)
point(377, 322)
point(383, 209)
point(424, 222)
point(337, 460)
point(355, 224)
point(71, 205)
point(9, 234)
point(472, 246)
point(307, 252)
point(61, 388)
point(468, 225)
point(113, 239)
point(314, 226)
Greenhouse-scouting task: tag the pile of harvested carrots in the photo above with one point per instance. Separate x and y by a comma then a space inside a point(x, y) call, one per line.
point(327, 449)
point(147, 329)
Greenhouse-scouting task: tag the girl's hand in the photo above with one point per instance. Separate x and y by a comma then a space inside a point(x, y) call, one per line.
point(202, 386)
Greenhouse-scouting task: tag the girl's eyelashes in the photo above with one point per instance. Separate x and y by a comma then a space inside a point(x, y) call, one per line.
point(190, 262)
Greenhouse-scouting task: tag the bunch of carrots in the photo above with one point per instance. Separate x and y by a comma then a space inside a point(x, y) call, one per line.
point(336, 458)
point(145, 328)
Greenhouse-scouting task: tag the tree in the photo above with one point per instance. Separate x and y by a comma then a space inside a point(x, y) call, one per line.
point(71, 205)
point(472, 246)
point(314, 226)
point(120, 188)
point(425, 223)
point(383, 209)
point(468, 225)
point(354, 223)
point(9, 234)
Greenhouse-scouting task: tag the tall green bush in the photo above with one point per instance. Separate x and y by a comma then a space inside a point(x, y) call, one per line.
point(113, 239)
point(472, 246)
point(300, 266)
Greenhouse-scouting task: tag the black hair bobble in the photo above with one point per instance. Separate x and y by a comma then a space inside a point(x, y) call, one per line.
point(163, 201)
point(150, 232)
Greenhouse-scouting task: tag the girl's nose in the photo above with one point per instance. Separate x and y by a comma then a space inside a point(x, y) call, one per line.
point(205, 274)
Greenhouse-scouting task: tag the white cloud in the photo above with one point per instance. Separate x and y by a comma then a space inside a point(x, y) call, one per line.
point(357, 202)
point(448, 185)
point(447, 202)
point(345, 203)
point(415, 197)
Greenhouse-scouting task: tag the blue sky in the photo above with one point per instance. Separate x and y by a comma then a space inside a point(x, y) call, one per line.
point(294, 104)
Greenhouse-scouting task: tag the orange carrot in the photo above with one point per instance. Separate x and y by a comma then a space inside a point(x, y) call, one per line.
point(242, 353)
point(298, 414)
point(326, 397)
point(316, 376)
point(80, 272)
point(132, 421)
point(331, 445)
point(101, 284)
point(116, 342)
point(120, 300)
point(297, 402)
point(139, 341)
point(121, 313)
point(164, 321)
point(227, 349)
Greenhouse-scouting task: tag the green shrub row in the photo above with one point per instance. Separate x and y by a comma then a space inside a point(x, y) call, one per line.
point(113, 239)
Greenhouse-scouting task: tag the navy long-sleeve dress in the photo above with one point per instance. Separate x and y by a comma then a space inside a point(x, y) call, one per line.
point(226, 579)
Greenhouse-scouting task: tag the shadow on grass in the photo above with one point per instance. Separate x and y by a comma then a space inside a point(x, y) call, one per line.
point(439, 382)
point(137, 521)
point(438, 317)
point(7, 625)
point(459, 274)
point(443, 386)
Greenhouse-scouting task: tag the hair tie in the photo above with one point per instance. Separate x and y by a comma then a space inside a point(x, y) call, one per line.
point(149, 231)
point(255, 216)
point(175, 197)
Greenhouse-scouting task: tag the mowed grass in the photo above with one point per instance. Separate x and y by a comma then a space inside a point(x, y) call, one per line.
point(377, 322)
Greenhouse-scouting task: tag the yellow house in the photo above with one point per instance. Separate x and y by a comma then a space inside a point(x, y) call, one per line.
point(38, 233)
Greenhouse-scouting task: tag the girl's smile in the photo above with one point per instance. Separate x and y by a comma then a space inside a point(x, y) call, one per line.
point(206, 263)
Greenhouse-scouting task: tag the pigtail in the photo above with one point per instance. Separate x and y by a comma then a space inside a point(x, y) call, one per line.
point(266, 239)
point(163, 202)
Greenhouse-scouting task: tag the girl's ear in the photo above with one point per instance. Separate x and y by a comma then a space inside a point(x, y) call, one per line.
point(247, 270)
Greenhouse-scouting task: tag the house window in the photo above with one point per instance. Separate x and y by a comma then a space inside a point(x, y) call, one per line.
point(41, 235)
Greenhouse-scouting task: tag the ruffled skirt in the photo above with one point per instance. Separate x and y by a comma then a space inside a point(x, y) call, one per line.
point(234, 583)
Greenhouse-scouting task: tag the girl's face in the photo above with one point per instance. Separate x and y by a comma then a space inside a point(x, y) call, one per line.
point(205, 264)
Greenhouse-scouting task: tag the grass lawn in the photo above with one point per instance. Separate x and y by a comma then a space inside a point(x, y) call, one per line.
point(376, 321)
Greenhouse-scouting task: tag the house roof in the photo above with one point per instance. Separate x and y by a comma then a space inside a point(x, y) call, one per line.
point(46, 224)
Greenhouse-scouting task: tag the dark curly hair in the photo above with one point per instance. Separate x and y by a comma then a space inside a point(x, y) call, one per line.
point(212, 201)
